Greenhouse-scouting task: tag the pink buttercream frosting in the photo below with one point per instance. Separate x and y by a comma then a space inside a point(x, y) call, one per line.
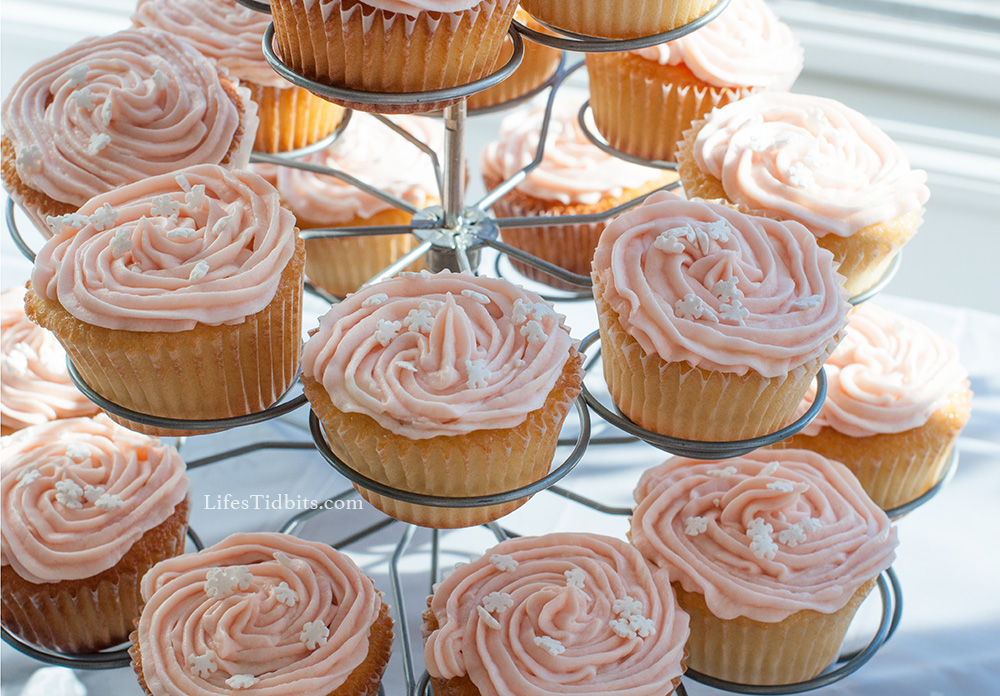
point(35, 386)
point(439, 354)
point(79, 493)
point(888, 375)
point(573, 170)
point(374, 154)
point(763, 535)
point(745, 46)
point(248, 607)
point(704, 284)
point(224, 30)
point(561, 613)
point(201, 246)
point(810, 159)
point(116, 109)
point(433, 11)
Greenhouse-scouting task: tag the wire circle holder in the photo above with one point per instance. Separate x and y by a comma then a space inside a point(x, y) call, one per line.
point(413, 498)
point(906, 508)
point(698, 449)
point(597, 140)
point(394, 102)
point(311, 148)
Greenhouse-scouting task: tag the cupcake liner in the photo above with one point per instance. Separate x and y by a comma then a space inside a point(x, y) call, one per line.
point(539, 64)
point(617, 19)
point(642, 108)
point(753, 652)
point(341, 266)
point(481, 462)
point(82, 616)
point(363, 48)
point(895, 468)
point(206, 373)
point(35, 204)
point(680, 400)
point(291, 117)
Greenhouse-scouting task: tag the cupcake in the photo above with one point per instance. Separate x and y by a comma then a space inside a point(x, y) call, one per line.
point(539, 64)
point(377, 155)
point(88, 508)
point(813, 160)
point(113, 110)
point(556, 614)
point(643, 100)
point(770, 554)
point(442, 384)
point(713, 323)
point(231, 35)
point(897, 400)
point(264, 612)
point(392, 45)
point(178, 296)
point(35, 387)
point(575, 177)
point(617, 19)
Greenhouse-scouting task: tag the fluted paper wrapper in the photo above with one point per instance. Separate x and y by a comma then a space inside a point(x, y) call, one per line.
point(363, 48)
point(753, 652)
point(341, 266)
point(481, 462)
point(291, 117)
point(680, 400)
point(208, 372)
point(35, 204)
point(539, 64)
point(641, 110)
point(617, 19)
point(82, 616)
point(895, 468)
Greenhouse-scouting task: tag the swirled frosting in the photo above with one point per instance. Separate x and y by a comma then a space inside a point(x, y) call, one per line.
point(374, 154)
point(764, 535)
point(888, 375)
point(555, 614)
point(704, 284)
point(201, 246)
point(116, 109)
point(224, 30)
point(810, 159)
point(745, 46)
point(79, 493)
point(406, 7)
point(439, 354)
point(268, 611)
point(572, 170)
point(35, 386)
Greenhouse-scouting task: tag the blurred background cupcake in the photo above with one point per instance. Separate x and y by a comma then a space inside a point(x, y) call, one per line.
point(617, 19)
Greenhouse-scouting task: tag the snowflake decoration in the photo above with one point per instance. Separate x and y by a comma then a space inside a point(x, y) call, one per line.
point(107, 112)
point(793, 536)
point(241, 681)
point(419, 320)
point(285, 594)
point(92, 493)
point(667, 244)
point(375, 300)
point(74, 221)
point(498, 602)
point(550, 645)
point(763, 547)
point(385, 331)
point(98, 141)
point(769, 469)
point(694, 525)
point(109, 502)
point(199, 271)
point(69, 494)
point(758, 527)
point(84, 98)
point(692, 307)
point(479, 374)
point(160, 81)
point(314, 634)
point(503, 562)
point(165, 206)
point(626, 607)
point(781, 486)
point(104, 217)
point(735, 312)
point(487, 618)
point(801, 177)
point(29, 159)
point(727, 290)
point(476, 296)
point(575, 577)
point(27, 476)
point(223, 582)
point(203, 665)
point(534, 332)
point(77, 75)
point(121, 242)
point(808, 302)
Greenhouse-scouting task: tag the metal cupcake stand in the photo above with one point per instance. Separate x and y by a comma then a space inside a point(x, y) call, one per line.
point(451, 236)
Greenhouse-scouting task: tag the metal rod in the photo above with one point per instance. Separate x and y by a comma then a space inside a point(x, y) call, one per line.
point(422, 146)
point(535, 262)
point(397, 596)
point(247, 449)
point(291, 525)
point(343, 176)
point(435, 557)
point(497, 530)
point(401, 263)
point(366, 532)
point(363, 231)
point(588, 502)
point(454, 163)
point(15, 233)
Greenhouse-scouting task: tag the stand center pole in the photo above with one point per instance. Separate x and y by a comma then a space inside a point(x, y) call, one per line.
point(454, 163)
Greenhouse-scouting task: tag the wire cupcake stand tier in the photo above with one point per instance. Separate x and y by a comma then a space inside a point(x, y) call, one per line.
point(451, 236)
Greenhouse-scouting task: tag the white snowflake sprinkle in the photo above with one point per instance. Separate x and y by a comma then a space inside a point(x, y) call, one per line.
point(763, 547)
point(816, 119)
point(694, 525)
point(160, 81)
point(109, 502)
point(314, 634)
point(479, 374)
point(521, 311)
point(692, 307)
point(642, 626)
point(769, 469)
point(811, 524)
point(16, 362)
point(165, 206)
point(477, 296)
point(727, 290)
point(104, 217)
point(419, 320)
point(723, 471)
point(223, 582)
point(623, 628)
point(121, 242)
point(498, 602)
point(77, 75)
point(98, 141)
point(534, 332)
point(781, 486)
point(84, 98)
point(385, 331)
point(107, 112)
point(220, 224)
point(241, 681)
point(487, 618)
point(199, 271)
point(27, 476)
point(808, 302)
point(92, 493)
point(69, 493)
point(667, 244)
point(575, 577)
point(626, 607)
point(285, 594)
point(375, 300)
point(203, 665)
point(800, 176)
point(196, 198)
point(734, 311)
point(503, 562)
point(758, 527)
point(405, 365)
point(793, 536)
point(285, 560)
point(74, 221)
point(29, 159)
point(550, 645)
point(183, 233)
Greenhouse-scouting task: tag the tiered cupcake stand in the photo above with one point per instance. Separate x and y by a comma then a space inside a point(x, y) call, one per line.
point(452, 236)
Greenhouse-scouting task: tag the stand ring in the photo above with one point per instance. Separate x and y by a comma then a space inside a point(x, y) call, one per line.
point(312, 148)
point(906, 508)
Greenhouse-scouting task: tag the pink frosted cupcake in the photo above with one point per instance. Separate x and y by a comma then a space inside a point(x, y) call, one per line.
point(231, 35)
point(771, 554)
point(35, 386)
point(643, 100)
point(713, 323)
point(897, 400)
point(815, 161)
point(268, 613)
point(556, 614)
point(88, 508)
